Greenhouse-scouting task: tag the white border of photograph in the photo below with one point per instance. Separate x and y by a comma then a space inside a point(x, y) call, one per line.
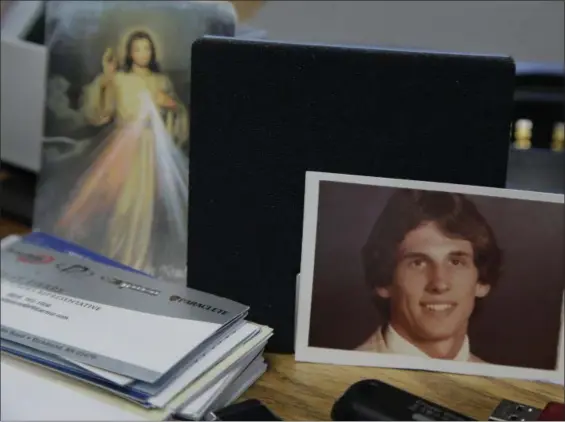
point(306, 353)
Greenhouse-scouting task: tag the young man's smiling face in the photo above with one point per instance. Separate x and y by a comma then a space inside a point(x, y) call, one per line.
point(435, 284)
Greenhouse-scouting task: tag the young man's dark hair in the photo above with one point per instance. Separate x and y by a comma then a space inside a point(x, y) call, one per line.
point(454, 214)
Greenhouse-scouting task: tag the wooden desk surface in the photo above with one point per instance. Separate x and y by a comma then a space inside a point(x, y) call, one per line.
point(306, 391)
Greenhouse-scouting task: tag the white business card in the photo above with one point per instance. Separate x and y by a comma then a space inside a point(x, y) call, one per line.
point(104, 317)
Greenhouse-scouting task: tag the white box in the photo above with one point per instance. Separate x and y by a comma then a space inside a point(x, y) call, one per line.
point(23, 66)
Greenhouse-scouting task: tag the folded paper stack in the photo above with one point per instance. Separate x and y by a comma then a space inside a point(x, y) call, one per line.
point(80, 322)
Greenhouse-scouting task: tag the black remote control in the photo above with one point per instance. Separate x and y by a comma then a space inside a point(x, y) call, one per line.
point(372, 400)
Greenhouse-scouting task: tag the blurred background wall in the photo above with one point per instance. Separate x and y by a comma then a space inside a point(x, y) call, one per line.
point(526, 30)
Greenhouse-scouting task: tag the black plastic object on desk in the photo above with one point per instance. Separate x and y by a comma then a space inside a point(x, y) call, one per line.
point(247, 410)
point(372, 400)
point(263, 113)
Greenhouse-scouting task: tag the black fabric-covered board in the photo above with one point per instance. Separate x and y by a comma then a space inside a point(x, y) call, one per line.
point(263, 113)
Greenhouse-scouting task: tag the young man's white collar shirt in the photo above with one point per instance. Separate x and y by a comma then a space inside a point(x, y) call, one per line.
point(389, 341)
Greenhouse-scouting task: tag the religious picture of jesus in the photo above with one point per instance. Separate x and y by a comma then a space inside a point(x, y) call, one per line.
point(115, 168)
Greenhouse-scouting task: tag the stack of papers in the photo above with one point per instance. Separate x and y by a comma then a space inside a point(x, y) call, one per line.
point(77, 324)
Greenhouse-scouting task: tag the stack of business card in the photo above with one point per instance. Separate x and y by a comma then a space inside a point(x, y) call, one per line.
point(149, 348)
